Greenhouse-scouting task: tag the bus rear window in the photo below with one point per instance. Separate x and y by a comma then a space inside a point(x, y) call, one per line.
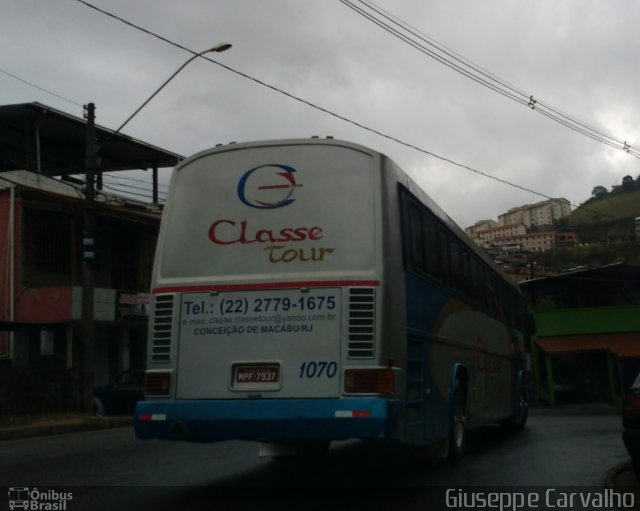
point(256, 213)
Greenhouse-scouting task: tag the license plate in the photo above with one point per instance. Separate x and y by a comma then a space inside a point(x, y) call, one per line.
point(262, 376)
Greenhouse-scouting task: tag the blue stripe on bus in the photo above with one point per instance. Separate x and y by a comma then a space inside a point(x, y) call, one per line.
point(424, 303)
point(252, 419)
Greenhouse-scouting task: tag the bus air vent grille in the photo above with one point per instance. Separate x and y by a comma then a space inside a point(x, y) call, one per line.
point(162, 328)
point(362, 307)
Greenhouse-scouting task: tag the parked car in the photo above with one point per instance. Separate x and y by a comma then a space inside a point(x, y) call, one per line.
point(631, 423)
point(121, 395)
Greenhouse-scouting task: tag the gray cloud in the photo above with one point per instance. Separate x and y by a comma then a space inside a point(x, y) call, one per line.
point(577, 55)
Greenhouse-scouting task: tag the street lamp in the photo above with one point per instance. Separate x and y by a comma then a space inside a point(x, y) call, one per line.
point(88, 277)
point(218, 48)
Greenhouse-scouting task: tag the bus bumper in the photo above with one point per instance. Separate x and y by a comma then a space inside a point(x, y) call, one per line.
point(267, 419)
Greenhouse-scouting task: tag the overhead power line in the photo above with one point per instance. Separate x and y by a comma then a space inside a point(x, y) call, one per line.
point(128, 191)
point(327, 111)
point(39, 88)
point(118, 179)
point(435, 50)
point(108, 184)
point(114, 183)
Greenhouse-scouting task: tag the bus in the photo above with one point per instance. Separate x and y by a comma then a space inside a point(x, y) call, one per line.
point(308, 290)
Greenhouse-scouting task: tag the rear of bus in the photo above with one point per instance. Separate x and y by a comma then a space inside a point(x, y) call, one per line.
point(266, 297)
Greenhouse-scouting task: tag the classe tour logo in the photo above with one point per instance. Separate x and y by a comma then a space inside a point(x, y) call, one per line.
point(268, 186)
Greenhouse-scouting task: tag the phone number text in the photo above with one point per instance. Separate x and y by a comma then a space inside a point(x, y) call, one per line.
point(235, 306)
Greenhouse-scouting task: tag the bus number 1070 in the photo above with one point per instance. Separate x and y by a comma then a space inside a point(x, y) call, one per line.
point(318, 369)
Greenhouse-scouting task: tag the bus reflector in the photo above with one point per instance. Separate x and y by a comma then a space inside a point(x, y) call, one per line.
point(369, 381)
point(146, 417)
point(157, 383)
point(363, 414)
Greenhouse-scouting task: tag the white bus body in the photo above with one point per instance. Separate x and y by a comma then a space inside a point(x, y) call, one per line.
point(284, 307)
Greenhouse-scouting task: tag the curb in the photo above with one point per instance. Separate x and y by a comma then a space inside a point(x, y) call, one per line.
point(604, 410)
point(89, 424)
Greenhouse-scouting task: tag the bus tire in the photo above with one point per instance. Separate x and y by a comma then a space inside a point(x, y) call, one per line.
point(458, 422)
point(518, 421)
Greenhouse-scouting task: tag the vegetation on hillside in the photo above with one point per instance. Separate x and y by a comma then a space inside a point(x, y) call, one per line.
point(603, 206)
point(561, 258)
point(605, 228)
point(608, 215)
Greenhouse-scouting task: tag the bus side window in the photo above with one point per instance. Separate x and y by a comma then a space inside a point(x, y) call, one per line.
point(486, 288)
point(416, 242)
point(457, 272)
point(476, 284)
point(465, 260)
point(431, 246)
point(444, 270)
point(494, 294)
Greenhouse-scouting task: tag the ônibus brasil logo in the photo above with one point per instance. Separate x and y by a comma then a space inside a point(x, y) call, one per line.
point(268, 186)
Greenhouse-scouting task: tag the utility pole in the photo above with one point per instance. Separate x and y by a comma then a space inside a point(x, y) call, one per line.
point(87, 369)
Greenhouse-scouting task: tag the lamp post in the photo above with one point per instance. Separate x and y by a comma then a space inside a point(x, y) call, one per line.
point(218, 48)
point(87, 370)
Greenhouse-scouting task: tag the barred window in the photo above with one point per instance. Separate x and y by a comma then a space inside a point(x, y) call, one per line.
point(46, 248)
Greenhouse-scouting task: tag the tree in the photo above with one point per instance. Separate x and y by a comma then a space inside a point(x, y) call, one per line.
point(627, 183)
point(599, 192)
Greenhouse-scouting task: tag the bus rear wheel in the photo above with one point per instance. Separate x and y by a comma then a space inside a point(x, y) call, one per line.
point(518, 421)
point(458, 423)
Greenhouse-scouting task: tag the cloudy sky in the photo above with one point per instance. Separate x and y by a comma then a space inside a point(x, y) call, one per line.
point(578, 57)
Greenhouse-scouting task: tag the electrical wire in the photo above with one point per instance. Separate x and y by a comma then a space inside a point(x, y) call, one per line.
point(135, 180)
point(109, 184)
point(310, 104)
point(467, 68)
point(39, 88)
point(115, 189)
point(113, 185)
point(115, 181)
point(524, 98)
point(448, 63)
point(325, 110)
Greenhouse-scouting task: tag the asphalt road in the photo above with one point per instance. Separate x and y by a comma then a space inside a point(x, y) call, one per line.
point(110, 469)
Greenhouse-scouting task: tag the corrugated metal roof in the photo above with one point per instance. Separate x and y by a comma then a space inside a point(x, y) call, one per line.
point(36, 137)
point(624, 345)
point(614, 271)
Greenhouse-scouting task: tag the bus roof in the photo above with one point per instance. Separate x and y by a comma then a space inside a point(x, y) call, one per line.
point(403, 176)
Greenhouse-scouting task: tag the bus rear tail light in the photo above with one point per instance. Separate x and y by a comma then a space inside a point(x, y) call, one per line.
point(157, 383)
point(369, 381)
point(631, 405)
point(631, 409)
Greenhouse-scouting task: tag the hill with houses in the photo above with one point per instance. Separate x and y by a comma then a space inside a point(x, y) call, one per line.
point(550, 235)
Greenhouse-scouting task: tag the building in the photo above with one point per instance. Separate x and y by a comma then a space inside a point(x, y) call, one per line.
point(509, 238)
point(480, 225)
point(566, 238)
point(41, 259)
point(522, 228)
point(540, 214)
point(532, 242)
point(588, 333)
point(486, 237)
